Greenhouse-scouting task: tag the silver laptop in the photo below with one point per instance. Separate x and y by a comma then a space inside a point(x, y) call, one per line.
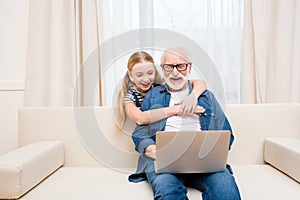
point(191, 151)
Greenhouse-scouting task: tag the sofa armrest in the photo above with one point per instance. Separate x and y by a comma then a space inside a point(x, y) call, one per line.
point(284, 154)
point(25, 167)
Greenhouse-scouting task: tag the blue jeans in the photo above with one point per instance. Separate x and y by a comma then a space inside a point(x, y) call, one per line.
point(218, 185)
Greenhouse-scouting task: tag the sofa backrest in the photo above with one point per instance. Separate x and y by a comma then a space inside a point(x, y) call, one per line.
point(252, 123)
point(91, 138)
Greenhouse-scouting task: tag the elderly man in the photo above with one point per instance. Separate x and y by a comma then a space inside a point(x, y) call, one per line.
point(176, 67)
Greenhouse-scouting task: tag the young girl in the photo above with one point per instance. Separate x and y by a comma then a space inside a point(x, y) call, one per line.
point(140, 77)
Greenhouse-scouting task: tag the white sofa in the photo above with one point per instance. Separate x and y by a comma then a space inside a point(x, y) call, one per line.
point(78, 153)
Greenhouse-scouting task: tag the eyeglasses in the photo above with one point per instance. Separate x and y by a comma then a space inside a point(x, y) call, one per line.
point(180, 67)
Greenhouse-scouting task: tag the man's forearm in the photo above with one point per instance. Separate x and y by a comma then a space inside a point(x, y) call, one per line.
point(146, 142)
point(141, 138)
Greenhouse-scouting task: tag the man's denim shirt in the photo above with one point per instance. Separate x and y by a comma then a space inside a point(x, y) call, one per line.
point(158, 97)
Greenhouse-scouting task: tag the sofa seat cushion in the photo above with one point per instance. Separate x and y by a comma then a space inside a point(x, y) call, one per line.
point(259, 182)
point(262, 182)
point(25, 167)
point(79, 183)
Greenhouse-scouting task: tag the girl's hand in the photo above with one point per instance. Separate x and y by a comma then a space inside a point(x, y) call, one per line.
point(199, 110)
point(188, 105)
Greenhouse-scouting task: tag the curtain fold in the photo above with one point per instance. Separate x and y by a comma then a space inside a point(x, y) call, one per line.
point(271, 62)
point(88, 87)
point(61, 36)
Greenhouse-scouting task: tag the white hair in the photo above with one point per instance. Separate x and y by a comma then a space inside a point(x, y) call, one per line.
point(179, 51)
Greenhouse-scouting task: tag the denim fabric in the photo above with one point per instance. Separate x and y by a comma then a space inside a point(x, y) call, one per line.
point(165, 186)
point(158, 97)
point(214, 186)
point(220, 185)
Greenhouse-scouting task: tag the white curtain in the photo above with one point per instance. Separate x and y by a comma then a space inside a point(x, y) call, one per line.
point(65, 35)
point(61, 36)
point(271, 61)
point(215, 25)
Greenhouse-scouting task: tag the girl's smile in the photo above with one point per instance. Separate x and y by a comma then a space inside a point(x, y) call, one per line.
point(142, 75)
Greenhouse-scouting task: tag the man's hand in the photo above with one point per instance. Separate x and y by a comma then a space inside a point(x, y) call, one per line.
point(151, 151)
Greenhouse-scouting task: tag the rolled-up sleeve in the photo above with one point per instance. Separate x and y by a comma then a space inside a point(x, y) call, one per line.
point(141, 138)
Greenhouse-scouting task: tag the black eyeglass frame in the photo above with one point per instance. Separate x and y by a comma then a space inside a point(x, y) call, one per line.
point(177, 66)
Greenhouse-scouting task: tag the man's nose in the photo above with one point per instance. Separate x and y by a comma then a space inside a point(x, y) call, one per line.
point(175, 71)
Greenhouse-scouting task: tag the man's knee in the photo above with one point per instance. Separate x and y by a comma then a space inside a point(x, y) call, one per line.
point(167, 186)
point(165, 180)
point(223, 184)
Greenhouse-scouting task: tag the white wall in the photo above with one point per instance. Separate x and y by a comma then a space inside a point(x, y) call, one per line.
point(13, 37)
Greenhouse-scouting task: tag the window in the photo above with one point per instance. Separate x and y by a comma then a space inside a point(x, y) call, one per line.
point(215, 25)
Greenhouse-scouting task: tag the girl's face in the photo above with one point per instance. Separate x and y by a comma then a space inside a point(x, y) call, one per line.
point(142, 75)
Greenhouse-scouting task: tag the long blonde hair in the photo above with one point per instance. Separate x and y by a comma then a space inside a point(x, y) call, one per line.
point(137, 57)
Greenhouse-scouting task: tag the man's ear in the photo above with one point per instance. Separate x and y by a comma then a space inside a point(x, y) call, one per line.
point(190, 66)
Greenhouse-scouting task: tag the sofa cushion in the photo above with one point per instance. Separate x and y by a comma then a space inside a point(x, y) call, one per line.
point(25, 167)
point(284, 154)
point(79, 183)
point(259, 182)
point(264, 182)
